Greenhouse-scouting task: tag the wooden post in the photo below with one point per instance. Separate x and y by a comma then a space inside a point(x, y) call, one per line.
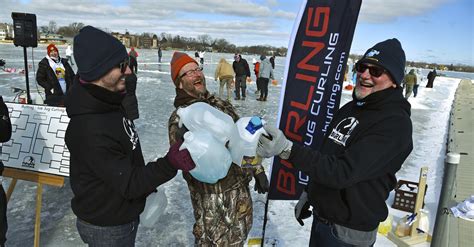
point(420, 196)
point(40, 179)
point(11, 187)
point(39, 196)
point(414, 237)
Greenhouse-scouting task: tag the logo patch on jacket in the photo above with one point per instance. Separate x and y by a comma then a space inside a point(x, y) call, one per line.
point(131, 132)
point(343, 130)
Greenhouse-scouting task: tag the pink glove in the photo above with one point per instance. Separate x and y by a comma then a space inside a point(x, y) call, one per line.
point(180, 160)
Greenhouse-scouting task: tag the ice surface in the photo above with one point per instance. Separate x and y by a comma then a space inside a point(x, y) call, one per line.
point(155, 91)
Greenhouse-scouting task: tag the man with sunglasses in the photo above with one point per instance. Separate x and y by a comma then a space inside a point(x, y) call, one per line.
point(108, 175)
point(367, 141)
point(223, 211)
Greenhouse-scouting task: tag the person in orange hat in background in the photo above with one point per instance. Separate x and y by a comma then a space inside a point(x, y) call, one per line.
point(55, 75)
point(223, 211)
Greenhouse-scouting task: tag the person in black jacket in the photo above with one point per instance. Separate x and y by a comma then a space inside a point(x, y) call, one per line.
point(55, 75)
point(5, 135)
point(431, 77)
point(367, 141)
point(272, 61)
point(242, 72)
point(108, 175)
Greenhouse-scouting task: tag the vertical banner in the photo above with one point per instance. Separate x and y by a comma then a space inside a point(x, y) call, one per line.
point(318, 54)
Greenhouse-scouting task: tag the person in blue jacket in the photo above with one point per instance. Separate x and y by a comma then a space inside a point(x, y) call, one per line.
point(353, 172)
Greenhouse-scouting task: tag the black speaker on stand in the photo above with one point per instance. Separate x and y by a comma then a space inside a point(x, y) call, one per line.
point(25, 30)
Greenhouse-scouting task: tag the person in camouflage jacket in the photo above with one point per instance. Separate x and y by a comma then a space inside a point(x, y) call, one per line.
point(223, 211)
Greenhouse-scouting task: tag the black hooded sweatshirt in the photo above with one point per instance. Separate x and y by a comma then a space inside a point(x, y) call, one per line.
point(108, 175)
point(351, 176)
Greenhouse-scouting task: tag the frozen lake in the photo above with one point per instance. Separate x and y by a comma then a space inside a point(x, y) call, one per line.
point(155, 91)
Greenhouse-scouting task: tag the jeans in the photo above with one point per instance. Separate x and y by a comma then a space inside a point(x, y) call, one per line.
point(415, 90)
point(240, 84)
point(105, 236)
point(325, 235)
point(263, 87)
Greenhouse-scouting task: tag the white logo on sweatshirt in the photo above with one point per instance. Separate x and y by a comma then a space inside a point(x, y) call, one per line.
point(343, 130)
point(129, 128)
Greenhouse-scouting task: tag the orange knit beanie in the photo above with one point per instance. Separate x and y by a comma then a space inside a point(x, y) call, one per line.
point(177, 62)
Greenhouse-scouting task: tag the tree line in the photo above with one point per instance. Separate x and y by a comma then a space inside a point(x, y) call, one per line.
point(202, 42)
point(205, 42)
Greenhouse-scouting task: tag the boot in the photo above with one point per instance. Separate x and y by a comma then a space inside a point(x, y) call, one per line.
point(260, 98)
point(265, 98)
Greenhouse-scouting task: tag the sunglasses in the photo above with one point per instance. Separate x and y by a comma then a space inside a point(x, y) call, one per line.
point(123, 65)
point(373, 70)
point(190, 72)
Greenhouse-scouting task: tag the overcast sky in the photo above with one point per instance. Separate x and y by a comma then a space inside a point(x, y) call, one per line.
point(430, 30)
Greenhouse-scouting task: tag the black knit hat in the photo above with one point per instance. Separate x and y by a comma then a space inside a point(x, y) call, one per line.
point(389, 55)
point(96, 53)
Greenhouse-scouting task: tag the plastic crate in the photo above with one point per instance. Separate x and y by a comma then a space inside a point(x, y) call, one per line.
point(406, 199)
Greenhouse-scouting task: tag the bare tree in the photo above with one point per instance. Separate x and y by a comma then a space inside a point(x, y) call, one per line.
point(204, 39)
point(71, 30)
point(52, 27)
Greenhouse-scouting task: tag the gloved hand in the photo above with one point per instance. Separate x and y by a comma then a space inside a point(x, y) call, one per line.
point(275, 144)
point(261, 183)
point(180, 160)
point(302, 208)
point(131, 83)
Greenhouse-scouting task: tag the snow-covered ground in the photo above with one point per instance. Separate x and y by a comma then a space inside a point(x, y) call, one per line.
point(430, 115)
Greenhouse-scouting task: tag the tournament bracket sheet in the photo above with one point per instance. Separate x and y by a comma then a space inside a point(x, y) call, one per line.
point(37, 142)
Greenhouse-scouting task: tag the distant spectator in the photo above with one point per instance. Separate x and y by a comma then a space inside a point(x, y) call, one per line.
point(431, 77)
point(256, 68)
point(264, 76)
point(196, 56)
point(201, 58)
point(69, 54)
point(133, 64)
point(160, 54)
point(410, 82)
point(272, 61)
point(55, 75)
point(225, 74)
point(133, 53)
point(242, 72)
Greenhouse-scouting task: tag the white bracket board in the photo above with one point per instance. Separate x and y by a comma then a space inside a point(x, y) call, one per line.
point(37, 142)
